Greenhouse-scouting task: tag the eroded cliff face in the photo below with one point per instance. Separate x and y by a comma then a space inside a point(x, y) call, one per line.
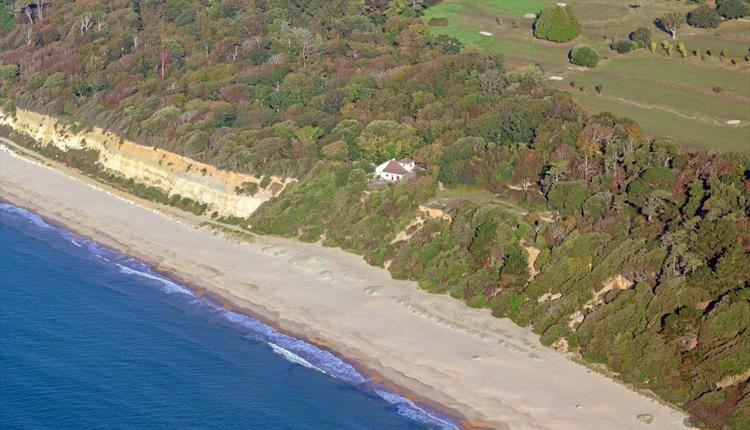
point(170, 172)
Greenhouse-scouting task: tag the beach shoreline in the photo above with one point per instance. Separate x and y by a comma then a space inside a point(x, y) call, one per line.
point(456, 348)
point(374, 379)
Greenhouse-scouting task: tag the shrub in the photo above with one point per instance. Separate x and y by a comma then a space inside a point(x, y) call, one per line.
point(447, 44)
point(732, 9)
point(478, 301)
point(682, 49)
point(624, 46)
point(667, 47)
point(642, 36)
point(6, 19)
point(225, 116)
point(557, 23)
point(704, 17)
point(582, 55)
point(8, 73)
point(247, 188)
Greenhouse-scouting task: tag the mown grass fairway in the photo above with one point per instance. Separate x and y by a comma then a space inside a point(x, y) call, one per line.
point(688, 99)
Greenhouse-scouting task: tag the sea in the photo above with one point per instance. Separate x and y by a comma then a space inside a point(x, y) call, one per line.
point(93, 339)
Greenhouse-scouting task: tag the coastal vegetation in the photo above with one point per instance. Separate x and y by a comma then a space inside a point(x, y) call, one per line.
point(610, 242)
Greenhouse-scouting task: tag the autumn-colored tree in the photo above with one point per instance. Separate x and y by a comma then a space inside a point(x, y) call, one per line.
point(382, 140)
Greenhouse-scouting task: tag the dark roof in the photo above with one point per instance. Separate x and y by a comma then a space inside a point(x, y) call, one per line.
point(406, 161)
point(394, 167)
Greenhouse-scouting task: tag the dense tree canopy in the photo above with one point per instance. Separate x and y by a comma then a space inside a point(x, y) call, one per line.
point(732, 9)
point(704, 16)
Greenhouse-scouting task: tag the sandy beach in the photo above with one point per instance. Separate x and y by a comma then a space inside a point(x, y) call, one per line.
point(433, 347)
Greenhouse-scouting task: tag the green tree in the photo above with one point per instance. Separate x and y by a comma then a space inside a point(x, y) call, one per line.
point(482, 244)
point(696, 194)
point(556, 169)
point(557, 23)
point(732, 267)
point(582, 55)
point(732, 9)
point(704, 17)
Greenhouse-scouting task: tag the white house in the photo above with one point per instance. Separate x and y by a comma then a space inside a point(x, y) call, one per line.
point(395, 170)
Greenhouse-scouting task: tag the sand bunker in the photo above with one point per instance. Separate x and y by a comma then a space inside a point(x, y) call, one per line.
point(555, 78)
point(530, 16)
point(733, 122)
point(485, 33)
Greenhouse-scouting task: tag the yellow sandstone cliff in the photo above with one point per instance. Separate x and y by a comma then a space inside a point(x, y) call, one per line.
point(170, 172)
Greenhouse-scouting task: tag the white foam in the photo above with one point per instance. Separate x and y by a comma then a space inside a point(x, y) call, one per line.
point(34, 218)
point(409, 409)
point(294, 358)
point(169, 286)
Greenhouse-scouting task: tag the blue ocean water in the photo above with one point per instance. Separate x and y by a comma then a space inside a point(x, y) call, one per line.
point(91, 339)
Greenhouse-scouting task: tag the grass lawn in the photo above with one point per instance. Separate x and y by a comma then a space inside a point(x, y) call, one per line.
point(668, 96)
